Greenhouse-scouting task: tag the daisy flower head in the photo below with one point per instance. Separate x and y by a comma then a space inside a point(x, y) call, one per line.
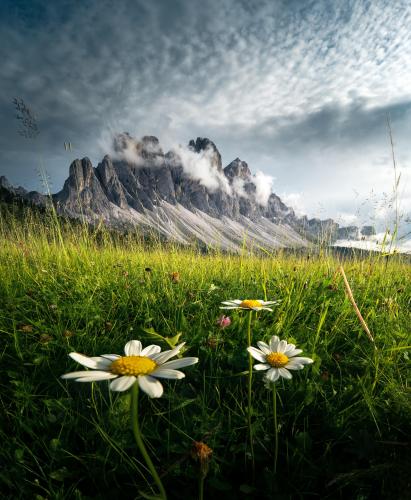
point(249, 304)
point(278, 358)
point(145, 366)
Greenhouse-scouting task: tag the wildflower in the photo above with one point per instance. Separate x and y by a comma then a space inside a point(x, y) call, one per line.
point(223, 321)
point(248, 304)
point(138, 364)
point(278, 358)
point(202, 453)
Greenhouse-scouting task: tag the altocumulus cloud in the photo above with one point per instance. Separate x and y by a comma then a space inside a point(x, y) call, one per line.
point(300, 90)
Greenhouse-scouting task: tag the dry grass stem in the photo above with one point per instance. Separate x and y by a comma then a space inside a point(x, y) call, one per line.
point(354, 304)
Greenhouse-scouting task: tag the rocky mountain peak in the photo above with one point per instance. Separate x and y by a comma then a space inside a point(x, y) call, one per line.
point(124, 141)
point(82, 192)
point(144, 152)
point(4, 183)
point(203, 144)
point(80, 173)
point(237, 169)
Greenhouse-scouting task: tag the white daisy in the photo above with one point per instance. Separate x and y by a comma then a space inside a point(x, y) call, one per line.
point(251, 305)
point(278, 358)
point(144, 365)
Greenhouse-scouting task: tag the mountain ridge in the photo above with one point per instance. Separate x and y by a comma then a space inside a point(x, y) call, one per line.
point(175, 192)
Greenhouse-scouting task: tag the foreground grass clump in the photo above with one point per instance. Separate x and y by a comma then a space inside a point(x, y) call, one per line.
point(344, 422)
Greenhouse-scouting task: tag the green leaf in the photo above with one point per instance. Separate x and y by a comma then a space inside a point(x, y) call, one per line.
point(171, 341)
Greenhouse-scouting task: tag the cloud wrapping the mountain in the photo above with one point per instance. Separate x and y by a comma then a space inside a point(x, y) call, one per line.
point(199, 166)
point(264, 187)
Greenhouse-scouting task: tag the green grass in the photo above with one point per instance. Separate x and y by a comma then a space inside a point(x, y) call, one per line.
point(344, 422)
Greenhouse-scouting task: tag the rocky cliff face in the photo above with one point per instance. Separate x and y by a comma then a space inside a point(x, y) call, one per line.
point(140, 176)
point(139, 184)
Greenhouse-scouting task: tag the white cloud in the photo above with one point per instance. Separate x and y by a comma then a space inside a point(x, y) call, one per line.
point(381, 242)
point(238, 187)
point(264, 187)
point(295, 201)
point(201, 167)
point(347, 219)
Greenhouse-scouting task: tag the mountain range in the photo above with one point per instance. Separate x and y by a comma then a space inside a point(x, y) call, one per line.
point(185, 195)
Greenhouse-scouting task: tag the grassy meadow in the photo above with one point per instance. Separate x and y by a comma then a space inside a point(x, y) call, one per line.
point(343, 422)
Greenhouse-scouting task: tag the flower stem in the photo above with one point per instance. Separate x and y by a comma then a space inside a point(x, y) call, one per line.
point(250, 380)
point(139, 440)
point(275, 427)
point(201, 487)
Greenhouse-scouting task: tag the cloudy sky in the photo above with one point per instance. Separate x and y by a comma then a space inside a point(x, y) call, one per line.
point(301, 90)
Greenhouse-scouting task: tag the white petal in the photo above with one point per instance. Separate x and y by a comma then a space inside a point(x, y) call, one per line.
point(102, 363)
point(150, 349)
point(266, 309)
point(230, 307)
point(94, 379)
point(256, 354)
point(231, 302)
point(291, 365)
point(83, 360)
point(89, 376)
point(133, 348)
point(261, 366)
point(273, 375)
point(294, 352)
point(264, 347)
point(285, 373)
point(281, 346)
point(302, 361)
point(274, 343)
point(167, 373)
point(289, 348)
point(150, 386)
point(111, 357)
point(162, 357)
point(180, 363)
point(270, 302)
point(122, 383)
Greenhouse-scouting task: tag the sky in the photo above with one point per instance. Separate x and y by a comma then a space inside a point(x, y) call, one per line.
point(300, 90)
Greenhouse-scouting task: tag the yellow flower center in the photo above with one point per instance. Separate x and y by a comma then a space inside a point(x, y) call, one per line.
point(133, 365)
point(249, 304)
point(277, 359)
